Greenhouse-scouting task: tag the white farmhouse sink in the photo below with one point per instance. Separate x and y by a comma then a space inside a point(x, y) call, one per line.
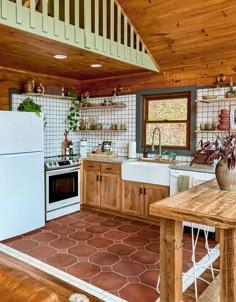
point(153, 173)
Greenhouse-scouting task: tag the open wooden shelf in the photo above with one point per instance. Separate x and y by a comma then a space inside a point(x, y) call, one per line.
point(47, 95)
point(216, 100)
point(102, 130)
point(102, 107)
point(215, 131)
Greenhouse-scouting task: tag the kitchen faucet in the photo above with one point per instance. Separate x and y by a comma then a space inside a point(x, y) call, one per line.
point(153, 148)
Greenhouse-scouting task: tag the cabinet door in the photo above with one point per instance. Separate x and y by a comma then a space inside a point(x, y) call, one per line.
point(132, 198)
point(92, 188)
point(110, 191)
point(153, 193)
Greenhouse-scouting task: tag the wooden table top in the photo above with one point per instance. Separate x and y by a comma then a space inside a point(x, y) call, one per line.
point(205, 204)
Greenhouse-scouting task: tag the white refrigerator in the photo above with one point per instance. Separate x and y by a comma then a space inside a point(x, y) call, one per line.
point(22, 206)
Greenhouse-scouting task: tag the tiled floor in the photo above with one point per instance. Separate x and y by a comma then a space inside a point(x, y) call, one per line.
point(118, 255)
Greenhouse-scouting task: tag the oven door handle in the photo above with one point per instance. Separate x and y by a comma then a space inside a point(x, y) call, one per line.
point(61, 171)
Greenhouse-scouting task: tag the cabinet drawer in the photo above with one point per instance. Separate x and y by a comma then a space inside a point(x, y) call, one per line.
point(91, 166)
point(110, 168)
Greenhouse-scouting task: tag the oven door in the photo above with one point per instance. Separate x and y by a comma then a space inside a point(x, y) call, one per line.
point(62, 188)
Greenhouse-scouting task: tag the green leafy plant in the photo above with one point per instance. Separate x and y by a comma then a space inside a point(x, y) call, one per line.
point(74, 113)
point(28, 105)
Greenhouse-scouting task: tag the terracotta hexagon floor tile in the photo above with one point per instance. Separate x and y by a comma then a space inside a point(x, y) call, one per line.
point(145, 257)
point(110, 223)
point(136, 241)
point(115, 235)
point(50, 225)
point(45, 237)
point(97, 229)
point(61, 260)
point(79, 215)
point(153, 247)
point(140, 223)
point(63, 230)
point(121, 249)
point(80, 224)
point(138, 293)
point(148, 234)
point(109, 281)
point(105, 215)
point(63, 243)
point(84, 270)
point(155, 227)
point(65, 219)
point(94, 218)
point(150, 277)
point(129, 228)
point(129, 268)
point(100, 242)
point(104, 258)
point(81, 235)
point(42, 252)
point(24, 244)
point(82, 251)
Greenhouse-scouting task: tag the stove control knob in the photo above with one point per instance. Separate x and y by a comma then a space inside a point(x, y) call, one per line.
point(50, 164)
point(54, 164)
point(73, 161)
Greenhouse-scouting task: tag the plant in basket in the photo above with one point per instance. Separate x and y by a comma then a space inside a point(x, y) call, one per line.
point(223, 149)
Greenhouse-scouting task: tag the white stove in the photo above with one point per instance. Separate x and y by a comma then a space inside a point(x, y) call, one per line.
point(59, 162)
point(62, 185)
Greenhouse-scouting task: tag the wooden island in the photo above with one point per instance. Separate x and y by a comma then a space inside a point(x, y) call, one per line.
point(204, 204)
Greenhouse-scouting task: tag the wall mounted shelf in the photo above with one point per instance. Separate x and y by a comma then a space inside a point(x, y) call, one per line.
point(47, 95)
point(102, 107)
point(102, 130)
point(216, 100)
point(215, 131)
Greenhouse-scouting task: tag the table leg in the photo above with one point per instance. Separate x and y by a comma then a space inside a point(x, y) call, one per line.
point(171, 260)
point(228, 265)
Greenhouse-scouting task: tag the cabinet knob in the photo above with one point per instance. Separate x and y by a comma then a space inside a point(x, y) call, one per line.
point(97, 177)
point(144, 191)
point(141, 191)
point(101, 178)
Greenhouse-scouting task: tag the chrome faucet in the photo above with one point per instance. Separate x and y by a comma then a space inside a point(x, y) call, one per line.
point(153, 147)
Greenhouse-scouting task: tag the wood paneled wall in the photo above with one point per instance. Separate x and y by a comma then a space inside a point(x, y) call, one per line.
point(152, 80)
point(10, 78)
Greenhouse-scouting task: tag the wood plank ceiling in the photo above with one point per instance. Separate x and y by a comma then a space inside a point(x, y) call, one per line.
point(186, 35)
point(180, 35)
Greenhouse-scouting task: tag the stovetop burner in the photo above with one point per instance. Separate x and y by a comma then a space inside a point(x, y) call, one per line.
point(58, 162)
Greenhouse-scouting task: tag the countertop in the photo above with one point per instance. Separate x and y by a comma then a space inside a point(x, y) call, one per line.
point(204, 204)
point(195, 167)
point(119, 159)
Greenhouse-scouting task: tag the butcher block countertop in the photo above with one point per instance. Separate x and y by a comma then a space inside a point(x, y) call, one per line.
point(204, 204)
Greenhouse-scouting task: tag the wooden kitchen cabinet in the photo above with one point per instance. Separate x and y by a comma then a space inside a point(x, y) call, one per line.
point(153, 193)
point(102, 185)
point(136, 197)
point(132, 198)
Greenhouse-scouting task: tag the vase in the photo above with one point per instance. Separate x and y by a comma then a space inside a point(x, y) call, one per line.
point(226, 178)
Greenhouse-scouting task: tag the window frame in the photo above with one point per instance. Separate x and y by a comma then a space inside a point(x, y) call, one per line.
point(162, 93)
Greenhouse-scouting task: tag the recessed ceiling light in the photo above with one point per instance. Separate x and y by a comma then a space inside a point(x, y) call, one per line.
point(61, 57)
point(96, 65)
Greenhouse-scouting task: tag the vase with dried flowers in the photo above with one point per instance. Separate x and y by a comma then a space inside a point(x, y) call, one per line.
point(223, 150)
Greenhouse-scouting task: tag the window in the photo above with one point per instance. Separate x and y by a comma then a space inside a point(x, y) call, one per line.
point(171, 114)
point(173, 111)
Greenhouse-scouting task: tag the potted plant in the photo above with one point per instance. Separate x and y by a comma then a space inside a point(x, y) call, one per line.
point(222, 150)
point(29, 105)
point(74, 113)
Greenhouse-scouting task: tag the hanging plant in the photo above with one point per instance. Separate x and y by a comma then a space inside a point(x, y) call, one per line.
point(74, 113)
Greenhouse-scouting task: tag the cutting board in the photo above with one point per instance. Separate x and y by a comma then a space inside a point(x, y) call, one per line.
point(102, 154)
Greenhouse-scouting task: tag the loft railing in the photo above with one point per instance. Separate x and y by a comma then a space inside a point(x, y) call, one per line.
point(96, 25)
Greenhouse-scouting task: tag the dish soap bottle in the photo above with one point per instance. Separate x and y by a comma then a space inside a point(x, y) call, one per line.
point(145, 153)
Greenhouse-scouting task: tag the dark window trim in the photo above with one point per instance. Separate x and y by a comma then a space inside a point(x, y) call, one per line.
point(139, 115)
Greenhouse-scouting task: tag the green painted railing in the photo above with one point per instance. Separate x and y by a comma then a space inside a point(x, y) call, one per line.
point(99, 26)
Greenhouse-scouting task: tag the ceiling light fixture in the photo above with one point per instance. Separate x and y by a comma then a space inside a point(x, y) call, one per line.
point(96, 65)
point(60, 57)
